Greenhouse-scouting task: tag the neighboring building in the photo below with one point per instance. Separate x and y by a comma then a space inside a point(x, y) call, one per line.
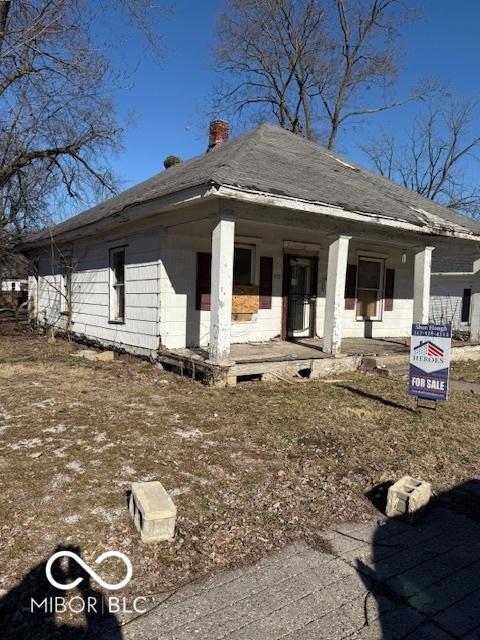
point(451, 291)
point(13, 274)
point(264, 236)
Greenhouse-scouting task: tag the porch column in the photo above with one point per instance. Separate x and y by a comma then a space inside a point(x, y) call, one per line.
point(221, 291)
point(475, 303)
point(335, 294)
point(421, 284)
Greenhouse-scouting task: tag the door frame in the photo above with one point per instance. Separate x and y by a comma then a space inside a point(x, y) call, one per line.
point(285, 290)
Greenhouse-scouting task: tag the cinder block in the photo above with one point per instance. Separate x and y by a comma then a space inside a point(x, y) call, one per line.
point(153, 511)
point(95, 356)
point(408, 497)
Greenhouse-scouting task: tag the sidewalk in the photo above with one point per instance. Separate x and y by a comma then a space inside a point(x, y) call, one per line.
point(383, 580)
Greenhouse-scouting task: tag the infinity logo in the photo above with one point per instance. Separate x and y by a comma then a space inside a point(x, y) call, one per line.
point(91, 572)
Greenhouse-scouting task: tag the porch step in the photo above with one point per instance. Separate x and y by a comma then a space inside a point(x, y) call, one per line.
point(386, 365)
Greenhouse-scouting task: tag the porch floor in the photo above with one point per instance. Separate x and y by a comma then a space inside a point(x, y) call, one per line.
point(302, 349)
point(305, 354)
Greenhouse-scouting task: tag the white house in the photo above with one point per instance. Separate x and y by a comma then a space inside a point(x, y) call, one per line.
point(13, 274)
point(265, 236)
point(451, 291)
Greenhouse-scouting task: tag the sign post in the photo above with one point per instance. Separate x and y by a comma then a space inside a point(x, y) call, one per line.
point(429, 361)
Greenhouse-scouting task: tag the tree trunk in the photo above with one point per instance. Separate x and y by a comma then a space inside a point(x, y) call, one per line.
point(4, 9)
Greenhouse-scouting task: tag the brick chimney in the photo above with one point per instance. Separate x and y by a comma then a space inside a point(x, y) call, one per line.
point(170, 161)
point(217, 133)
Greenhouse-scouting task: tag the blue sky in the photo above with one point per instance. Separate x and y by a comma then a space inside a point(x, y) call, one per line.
point(170, 98)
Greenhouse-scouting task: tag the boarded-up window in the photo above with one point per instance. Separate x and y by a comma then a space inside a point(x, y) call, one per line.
point(204, 282)
point(389, 289)
point(265, 284)
point(350, 286)
point(466, 299)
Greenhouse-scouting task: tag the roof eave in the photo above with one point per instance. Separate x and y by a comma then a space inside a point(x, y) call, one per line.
point(136, 211)
point(287, 202)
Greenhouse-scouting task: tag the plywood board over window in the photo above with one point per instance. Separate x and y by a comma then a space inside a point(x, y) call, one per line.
point(245, 299)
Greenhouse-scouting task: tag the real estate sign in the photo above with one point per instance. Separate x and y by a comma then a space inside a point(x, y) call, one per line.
point(429, 361)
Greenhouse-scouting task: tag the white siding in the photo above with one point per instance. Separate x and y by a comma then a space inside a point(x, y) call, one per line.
point(183, 325)
point(12, 284)
point(446, 295)
point(90, 291)
point(160, 267)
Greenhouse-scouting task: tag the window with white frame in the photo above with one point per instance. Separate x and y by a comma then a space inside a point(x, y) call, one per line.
point(369, 288)
point(117, 284)
point(66, 285)
point(243, 264)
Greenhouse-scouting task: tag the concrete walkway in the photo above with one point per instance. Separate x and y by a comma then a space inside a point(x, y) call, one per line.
point(383, 580)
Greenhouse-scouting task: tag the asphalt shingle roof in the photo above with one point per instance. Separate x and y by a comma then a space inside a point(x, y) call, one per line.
point(272, 160)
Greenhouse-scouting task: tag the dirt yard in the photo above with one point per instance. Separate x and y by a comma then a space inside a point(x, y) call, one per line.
point(249, 468)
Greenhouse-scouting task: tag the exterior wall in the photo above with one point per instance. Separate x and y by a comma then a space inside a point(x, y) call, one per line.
point(446, 295)
point(160, 285)
point(91, 291)
point(395, 323)
point(184, 326)
point(8, 285)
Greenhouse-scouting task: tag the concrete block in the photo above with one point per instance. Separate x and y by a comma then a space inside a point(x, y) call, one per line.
point(95, 356)
point(408, 497)
point(153, 511)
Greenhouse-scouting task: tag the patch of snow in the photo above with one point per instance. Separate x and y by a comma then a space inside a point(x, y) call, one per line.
point(128, 469)
point(100, 437)
point(109, 515)
point(72, 519)
point(75, 466)
point(178, 491)
point(59, 428)
point(44, 404)
point(191, 434)
point(60, 480)
point(26, 444)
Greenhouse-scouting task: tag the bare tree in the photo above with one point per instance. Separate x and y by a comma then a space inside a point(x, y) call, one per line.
point(57, 118)
point(364, 55)
point(431, 158)
point(269, 49)
point(309, 62)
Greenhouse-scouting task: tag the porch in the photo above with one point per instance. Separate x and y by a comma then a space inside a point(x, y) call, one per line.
point(305, 356)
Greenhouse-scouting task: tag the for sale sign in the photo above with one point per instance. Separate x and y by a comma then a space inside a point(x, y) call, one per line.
point(429, 361)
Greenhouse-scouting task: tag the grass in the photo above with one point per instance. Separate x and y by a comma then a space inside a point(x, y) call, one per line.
point(250, 468)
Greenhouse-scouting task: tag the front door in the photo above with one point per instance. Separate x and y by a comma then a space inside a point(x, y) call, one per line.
point(301, 285)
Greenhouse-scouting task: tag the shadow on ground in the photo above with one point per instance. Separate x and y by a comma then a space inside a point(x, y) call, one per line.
point(425, 577)
point(384, 581)
point(21, 618)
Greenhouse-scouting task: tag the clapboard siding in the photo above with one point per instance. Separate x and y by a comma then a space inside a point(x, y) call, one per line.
point(160, 286)
point(446, 295)
point(184, 325)
point(90, 291)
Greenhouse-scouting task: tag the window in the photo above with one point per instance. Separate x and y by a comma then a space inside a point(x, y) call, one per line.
point(243, 265)
point(467, 296)
point(369, 288)
point(13, 286)
point(66, 290)
point(117, 285)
